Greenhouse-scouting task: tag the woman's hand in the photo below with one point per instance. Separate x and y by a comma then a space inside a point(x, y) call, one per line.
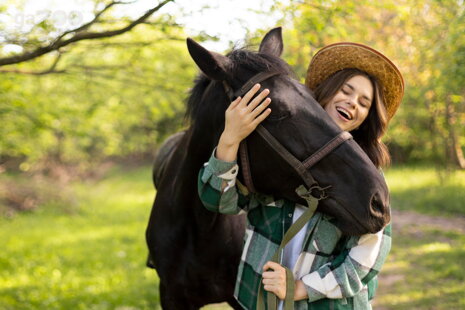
point(241, 118)
point(274, 280)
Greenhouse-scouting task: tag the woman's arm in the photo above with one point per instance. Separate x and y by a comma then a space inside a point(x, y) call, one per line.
point(351, 270)
point(342, 277)
point(217, 187)
point(217, 178)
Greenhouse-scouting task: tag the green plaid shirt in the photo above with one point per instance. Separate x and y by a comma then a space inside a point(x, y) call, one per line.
point(339, 272)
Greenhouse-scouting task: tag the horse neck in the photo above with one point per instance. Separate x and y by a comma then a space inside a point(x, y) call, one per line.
point(193, 151)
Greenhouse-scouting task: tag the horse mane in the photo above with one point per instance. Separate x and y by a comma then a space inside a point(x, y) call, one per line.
point(211, 105)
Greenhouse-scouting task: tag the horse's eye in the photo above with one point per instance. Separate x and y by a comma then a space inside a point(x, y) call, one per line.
point(279, 116)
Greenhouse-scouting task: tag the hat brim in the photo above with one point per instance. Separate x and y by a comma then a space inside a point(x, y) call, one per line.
point(345, 55)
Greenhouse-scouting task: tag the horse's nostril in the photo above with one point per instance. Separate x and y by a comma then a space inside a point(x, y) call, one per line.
point(376, 203)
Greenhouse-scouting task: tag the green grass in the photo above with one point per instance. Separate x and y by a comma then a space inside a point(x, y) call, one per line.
point(94, 258)
point(425, 267)
point(423, 271)
point(427, 190)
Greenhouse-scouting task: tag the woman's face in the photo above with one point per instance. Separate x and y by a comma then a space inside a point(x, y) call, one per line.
point(351, 104)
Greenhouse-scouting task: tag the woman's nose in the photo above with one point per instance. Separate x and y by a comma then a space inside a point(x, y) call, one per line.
point(353, 101)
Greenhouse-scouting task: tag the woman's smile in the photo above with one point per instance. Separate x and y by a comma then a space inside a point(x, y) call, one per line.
point(344, 114)
point(351, 104)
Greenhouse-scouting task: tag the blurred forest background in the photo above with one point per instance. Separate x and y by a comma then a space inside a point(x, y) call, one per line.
point(85, 101)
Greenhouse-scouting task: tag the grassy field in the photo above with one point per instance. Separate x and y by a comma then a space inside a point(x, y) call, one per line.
point(427, 190)
point(94, 258)
point(424, 270)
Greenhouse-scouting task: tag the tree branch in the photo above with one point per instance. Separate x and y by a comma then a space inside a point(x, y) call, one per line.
point(17, 71)
point(79, 36)
point(87, 25)
point(50, 70)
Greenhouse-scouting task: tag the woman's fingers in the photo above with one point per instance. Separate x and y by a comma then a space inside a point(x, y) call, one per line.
point(274, 279)
point(261, 117)
point(271, 265)
point(272, 275)
point(233, 104)
point(271, 288)
point(249, 95)
point(261, 107)
point(258, 99)
point(243, 117)
point(268, 281)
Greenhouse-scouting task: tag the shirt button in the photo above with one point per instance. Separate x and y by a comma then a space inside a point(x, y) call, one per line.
point(290, 214)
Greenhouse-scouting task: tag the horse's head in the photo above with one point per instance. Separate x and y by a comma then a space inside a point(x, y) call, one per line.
point(358, 197)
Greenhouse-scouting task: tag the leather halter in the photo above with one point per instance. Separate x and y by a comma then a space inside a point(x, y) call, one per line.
point(302, 168)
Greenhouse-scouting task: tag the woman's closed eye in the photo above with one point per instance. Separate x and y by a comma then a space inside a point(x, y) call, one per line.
point(346, 90)
point(363, 103)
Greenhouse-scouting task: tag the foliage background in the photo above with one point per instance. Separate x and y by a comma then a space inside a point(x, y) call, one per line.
point(120, 96)
point(79, 128)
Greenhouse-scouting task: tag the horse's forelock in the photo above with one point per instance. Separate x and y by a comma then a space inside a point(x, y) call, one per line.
point(259, 62)
point(241, 58)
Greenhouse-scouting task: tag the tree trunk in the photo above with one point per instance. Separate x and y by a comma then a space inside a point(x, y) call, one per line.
point(454, 149)
point(457, 152)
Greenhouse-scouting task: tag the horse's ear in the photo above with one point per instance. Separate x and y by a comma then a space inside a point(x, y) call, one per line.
point(272, 43)
point(214, 65)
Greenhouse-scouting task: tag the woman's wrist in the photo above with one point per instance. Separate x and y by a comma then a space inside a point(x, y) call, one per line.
point(300, 292)
point(227, 149)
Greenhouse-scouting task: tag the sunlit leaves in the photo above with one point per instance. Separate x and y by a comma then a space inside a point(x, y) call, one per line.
point(108, 103)
point(423, 37)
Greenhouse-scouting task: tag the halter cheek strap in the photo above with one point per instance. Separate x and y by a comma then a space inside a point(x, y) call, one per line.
point(245, 165)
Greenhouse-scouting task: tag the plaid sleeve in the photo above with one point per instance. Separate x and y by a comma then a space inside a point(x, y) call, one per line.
point(217, 186)
point(349, 272)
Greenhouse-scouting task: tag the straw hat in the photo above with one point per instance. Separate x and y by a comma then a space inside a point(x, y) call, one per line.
point(344, 55)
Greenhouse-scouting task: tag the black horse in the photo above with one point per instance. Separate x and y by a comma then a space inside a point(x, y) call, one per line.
point(196, 252)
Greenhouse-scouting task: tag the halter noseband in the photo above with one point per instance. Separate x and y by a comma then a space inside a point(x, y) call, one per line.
point(302, 168)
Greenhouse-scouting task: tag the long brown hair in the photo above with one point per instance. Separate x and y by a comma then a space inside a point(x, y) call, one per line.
point(368, 134)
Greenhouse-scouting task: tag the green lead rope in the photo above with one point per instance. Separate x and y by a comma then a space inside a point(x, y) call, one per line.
point(272, 299)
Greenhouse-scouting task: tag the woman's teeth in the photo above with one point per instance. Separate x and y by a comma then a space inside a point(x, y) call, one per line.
point(344, 113)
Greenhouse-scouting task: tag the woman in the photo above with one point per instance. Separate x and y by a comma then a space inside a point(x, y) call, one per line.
point(361, 90)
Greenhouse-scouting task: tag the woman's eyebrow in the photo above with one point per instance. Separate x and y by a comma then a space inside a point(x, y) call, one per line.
point(351, 87)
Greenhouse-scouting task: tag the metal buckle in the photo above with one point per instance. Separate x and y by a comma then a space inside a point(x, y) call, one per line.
point(317, 192)
point(320, 191)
